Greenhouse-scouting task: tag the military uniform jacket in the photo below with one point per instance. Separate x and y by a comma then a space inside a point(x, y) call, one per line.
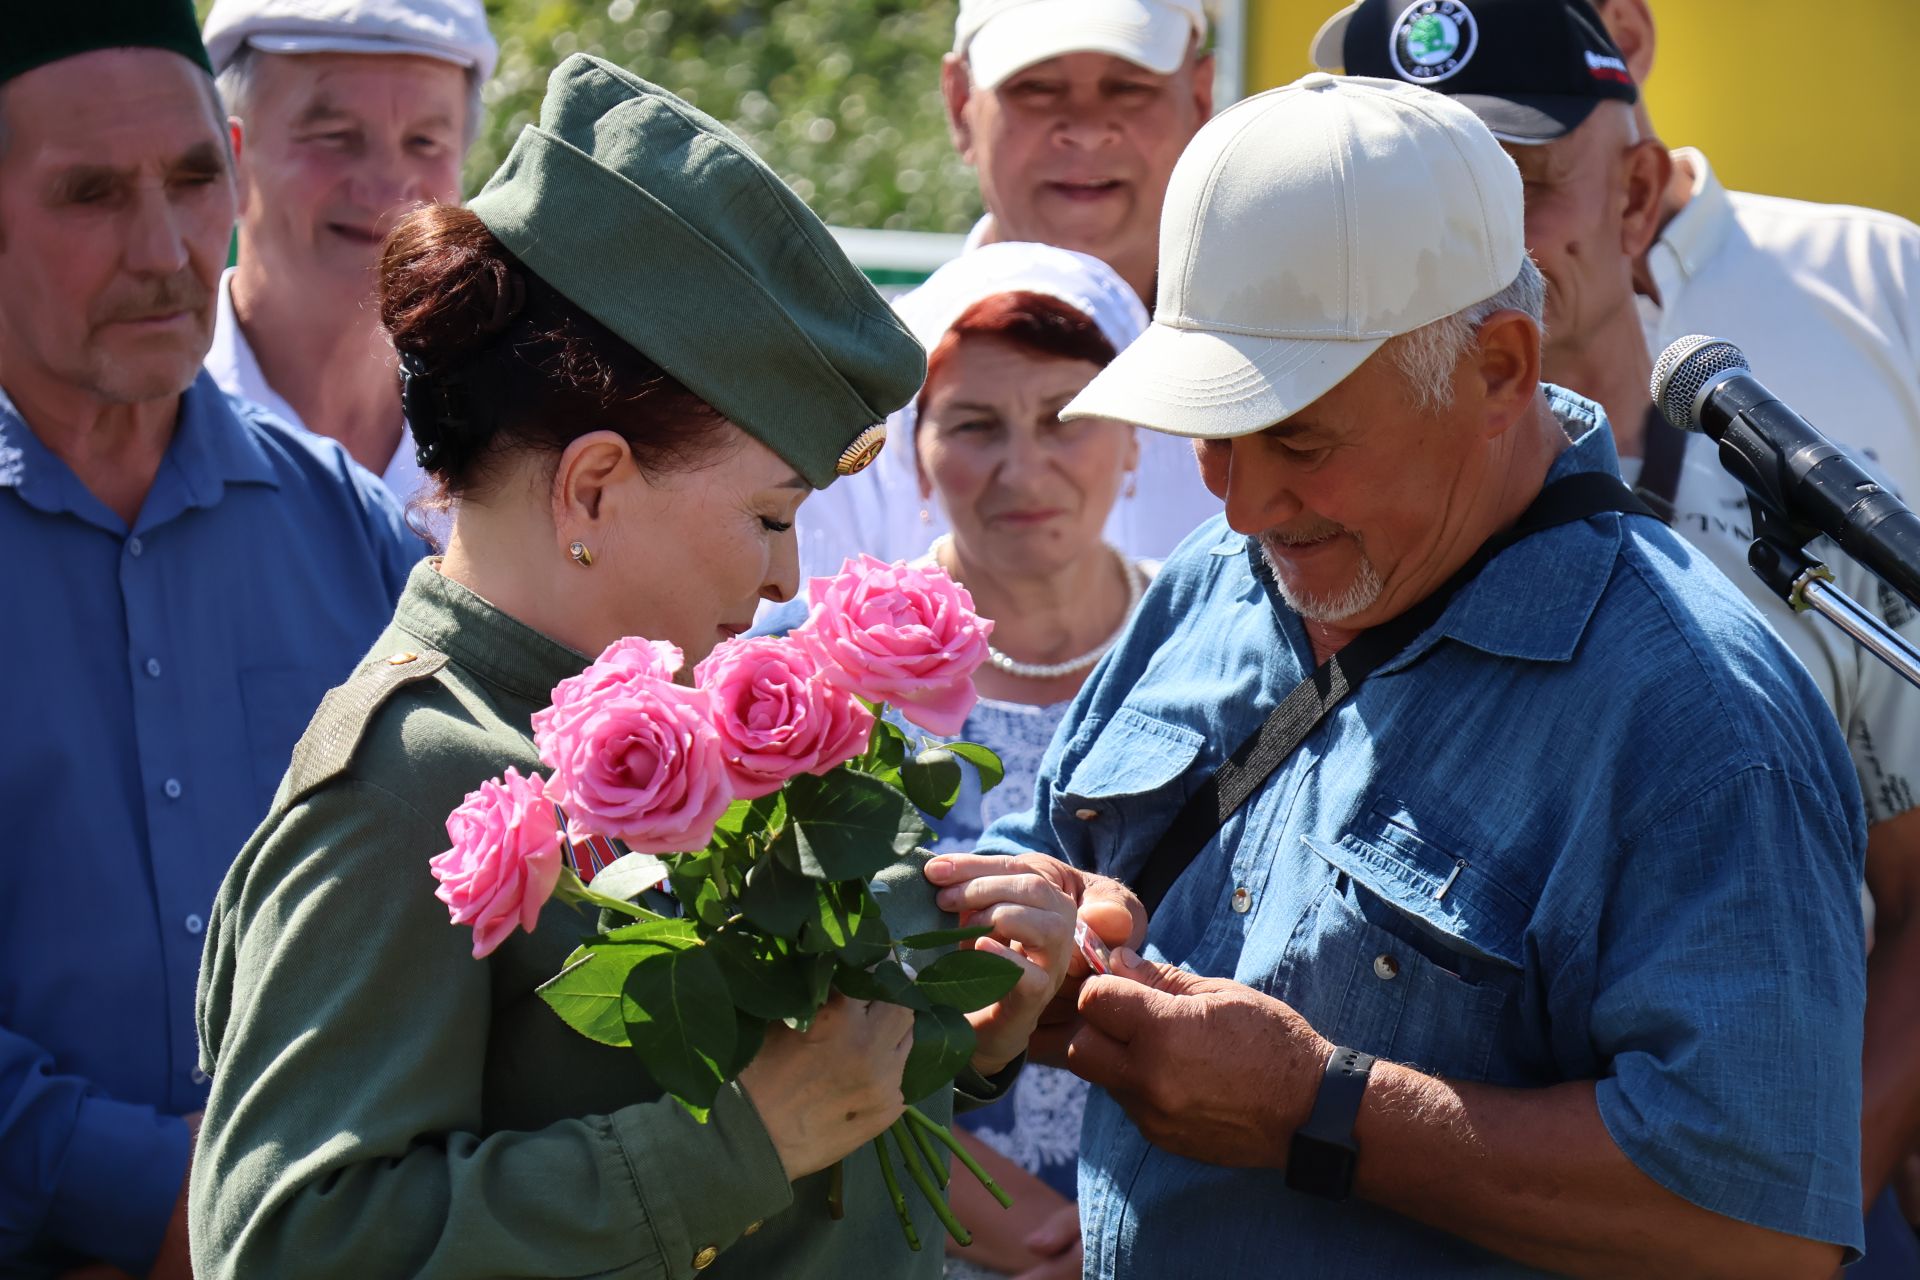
point(383, 1104)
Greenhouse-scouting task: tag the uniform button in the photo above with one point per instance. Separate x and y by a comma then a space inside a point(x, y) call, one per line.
point(172, 787)
point(195, 924)
point(753, 1226)
point(197, 1076)
point(1385, 967)
point(401, 659)
point(704, 1259)
point(1086, 815)
point(1242, 900)
point(153, 667)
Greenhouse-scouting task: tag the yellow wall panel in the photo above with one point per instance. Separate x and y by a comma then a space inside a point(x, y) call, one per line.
point(1819, 101)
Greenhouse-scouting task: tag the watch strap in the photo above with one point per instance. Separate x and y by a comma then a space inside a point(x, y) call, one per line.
point(1323, 1154)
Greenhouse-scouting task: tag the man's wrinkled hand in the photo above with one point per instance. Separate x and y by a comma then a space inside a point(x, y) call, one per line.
point(1205, 1068)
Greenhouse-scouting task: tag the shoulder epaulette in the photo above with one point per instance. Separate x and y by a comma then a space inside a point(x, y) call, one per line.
point(327, 747)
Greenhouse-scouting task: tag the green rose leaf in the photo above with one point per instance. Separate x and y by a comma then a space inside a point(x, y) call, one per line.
point(932, 781)
point(943, 1044)
point(944, 937)
point(681, 1022)
point(630, 876)
point(872, 940)
point(778, 898)
point(968, 980)
point(749, 1034)
point(885, 981)
point(586, 994)
point(766, 981)
point(846, 826)
point(982, 759)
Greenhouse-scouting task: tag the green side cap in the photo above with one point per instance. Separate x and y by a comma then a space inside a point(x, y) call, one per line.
point(663, 226)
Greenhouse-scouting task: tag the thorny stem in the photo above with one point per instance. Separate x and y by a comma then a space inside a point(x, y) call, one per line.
point(893, 1190)
point(916, 1116)
point(909, 1151)
point(837, 1190)
point(934, 1162)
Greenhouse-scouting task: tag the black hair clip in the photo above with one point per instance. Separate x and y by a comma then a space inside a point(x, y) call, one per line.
point(432, 410)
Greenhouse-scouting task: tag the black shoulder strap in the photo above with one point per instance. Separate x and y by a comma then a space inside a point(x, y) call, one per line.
point(1663, 449)
point(1571, 498)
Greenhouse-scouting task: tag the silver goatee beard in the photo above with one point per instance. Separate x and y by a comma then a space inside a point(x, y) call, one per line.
point(1356, 596)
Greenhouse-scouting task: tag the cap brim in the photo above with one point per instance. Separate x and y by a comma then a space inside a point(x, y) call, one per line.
point(357, 44)
point(1207, 385)
point(1329, 47)
point(1532, 119)
point(1154, 38)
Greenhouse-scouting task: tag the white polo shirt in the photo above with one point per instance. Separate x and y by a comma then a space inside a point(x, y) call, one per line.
point(1823, 299)
point(233, 365)
point(1878, 711)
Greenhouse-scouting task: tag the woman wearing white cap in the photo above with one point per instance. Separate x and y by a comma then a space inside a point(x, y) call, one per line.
point(1013, 332)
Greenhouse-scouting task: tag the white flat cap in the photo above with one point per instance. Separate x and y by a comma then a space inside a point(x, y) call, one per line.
point(451, 30)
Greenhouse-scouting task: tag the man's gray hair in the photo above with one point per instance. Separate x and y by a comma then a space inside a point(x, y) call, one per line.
point(236, 84)
point(1427, 356)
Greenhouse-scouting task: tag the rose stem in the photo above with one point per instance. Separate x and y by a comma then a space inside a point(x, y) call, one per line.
point(966, 1157)
point(837, 1190)
point(934, 1162)
point(918, 1172)
point(893, 1190)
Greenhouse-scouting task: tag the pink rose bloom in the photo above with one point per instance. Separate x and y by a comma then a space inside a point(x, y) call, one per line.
point(900, 634)
point(777, 713)
point(504, 861)
point(622, 661)
point(636, 760)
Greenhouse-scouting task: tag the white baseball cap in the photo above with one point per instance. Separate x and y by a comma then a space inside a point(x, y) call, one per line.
point(451, 30)
point(999, 37)
point(1303, 227)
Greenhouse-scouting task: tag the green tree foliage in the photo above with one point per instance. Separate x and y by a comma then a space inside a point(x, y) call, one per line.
point(841, 97)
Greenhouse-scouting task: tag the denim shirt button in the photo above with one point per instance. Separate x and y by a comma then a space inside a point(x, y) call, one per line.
point(1242, 900)
point(1385, 967)
point(1086, 815)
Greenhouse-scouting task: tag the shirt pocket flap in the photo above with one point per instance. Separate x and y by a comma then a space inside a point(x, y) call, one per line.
point(1457, 899)
point(1132, 754)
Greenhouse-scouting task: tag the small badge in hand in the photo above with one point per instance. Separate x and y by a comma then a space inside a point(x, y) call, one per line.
point(1099, 956)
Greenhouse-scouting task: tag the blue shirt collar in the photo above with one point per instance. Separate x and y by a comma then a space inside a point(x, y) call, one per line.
point(1535, 599)
point(212, 446)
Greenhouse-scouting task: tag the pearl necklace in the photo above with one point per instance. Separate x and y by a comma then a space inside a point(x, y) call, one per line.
point(1136, 585)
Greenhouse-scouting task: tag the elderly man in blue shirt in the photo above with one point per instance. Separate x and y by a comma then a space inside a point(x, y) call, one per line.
point(185, 578)
point(1524, 937)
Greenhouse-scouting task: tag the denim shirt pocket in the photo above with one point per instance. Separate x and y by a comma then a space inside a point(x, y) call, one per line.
point(1425, 943)
point(1123, 794)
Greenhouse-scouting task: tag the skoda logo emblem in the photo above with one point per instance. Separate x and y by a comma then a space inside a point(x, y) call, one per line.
point(1432, 40)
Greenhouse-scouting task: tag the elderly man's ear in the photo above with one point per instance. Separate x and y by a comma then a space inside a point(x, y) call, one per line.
point(1503, 374)
point(956, 86)
point(1630, 23)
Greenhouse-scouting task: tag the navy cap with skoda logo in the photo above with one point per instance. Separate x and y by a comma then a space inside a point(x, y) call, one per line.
point(1532, 70)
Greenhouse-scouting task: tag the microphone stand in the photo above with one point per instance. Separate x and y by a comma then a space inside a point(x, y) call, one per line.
point(1779, 556)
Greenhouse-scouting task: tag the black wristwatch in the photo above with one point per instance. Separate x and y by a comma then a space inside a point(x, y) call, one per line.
point(1321, 1159)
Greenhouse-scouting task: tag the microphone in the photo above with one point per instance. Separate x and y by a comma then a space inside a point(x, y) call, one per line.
point(1704, 384)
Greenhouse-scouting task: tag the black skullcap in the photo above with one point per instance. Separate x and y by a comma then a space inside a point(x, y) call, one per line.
point(49, 30)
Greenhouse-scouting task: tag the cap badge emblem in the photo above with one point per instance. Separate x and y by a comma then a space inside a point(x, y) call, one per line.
point(1432, 40)
point(864, 449)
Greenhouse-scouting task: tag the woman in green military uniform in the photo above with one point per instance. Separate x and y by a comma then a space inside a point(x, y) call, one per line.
point(627, 363)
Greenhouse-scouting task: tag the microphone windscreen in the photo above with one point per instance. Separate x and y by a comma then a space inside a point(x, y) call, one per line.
point(1687, 365)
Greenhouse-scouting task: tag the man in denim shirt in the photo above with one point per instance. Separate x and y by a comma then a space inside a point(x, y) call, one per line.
point(1580, 865)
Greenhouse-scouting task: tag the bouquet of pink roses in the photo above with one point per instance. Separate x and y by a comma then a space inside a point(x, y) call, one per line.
point(765, 798)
